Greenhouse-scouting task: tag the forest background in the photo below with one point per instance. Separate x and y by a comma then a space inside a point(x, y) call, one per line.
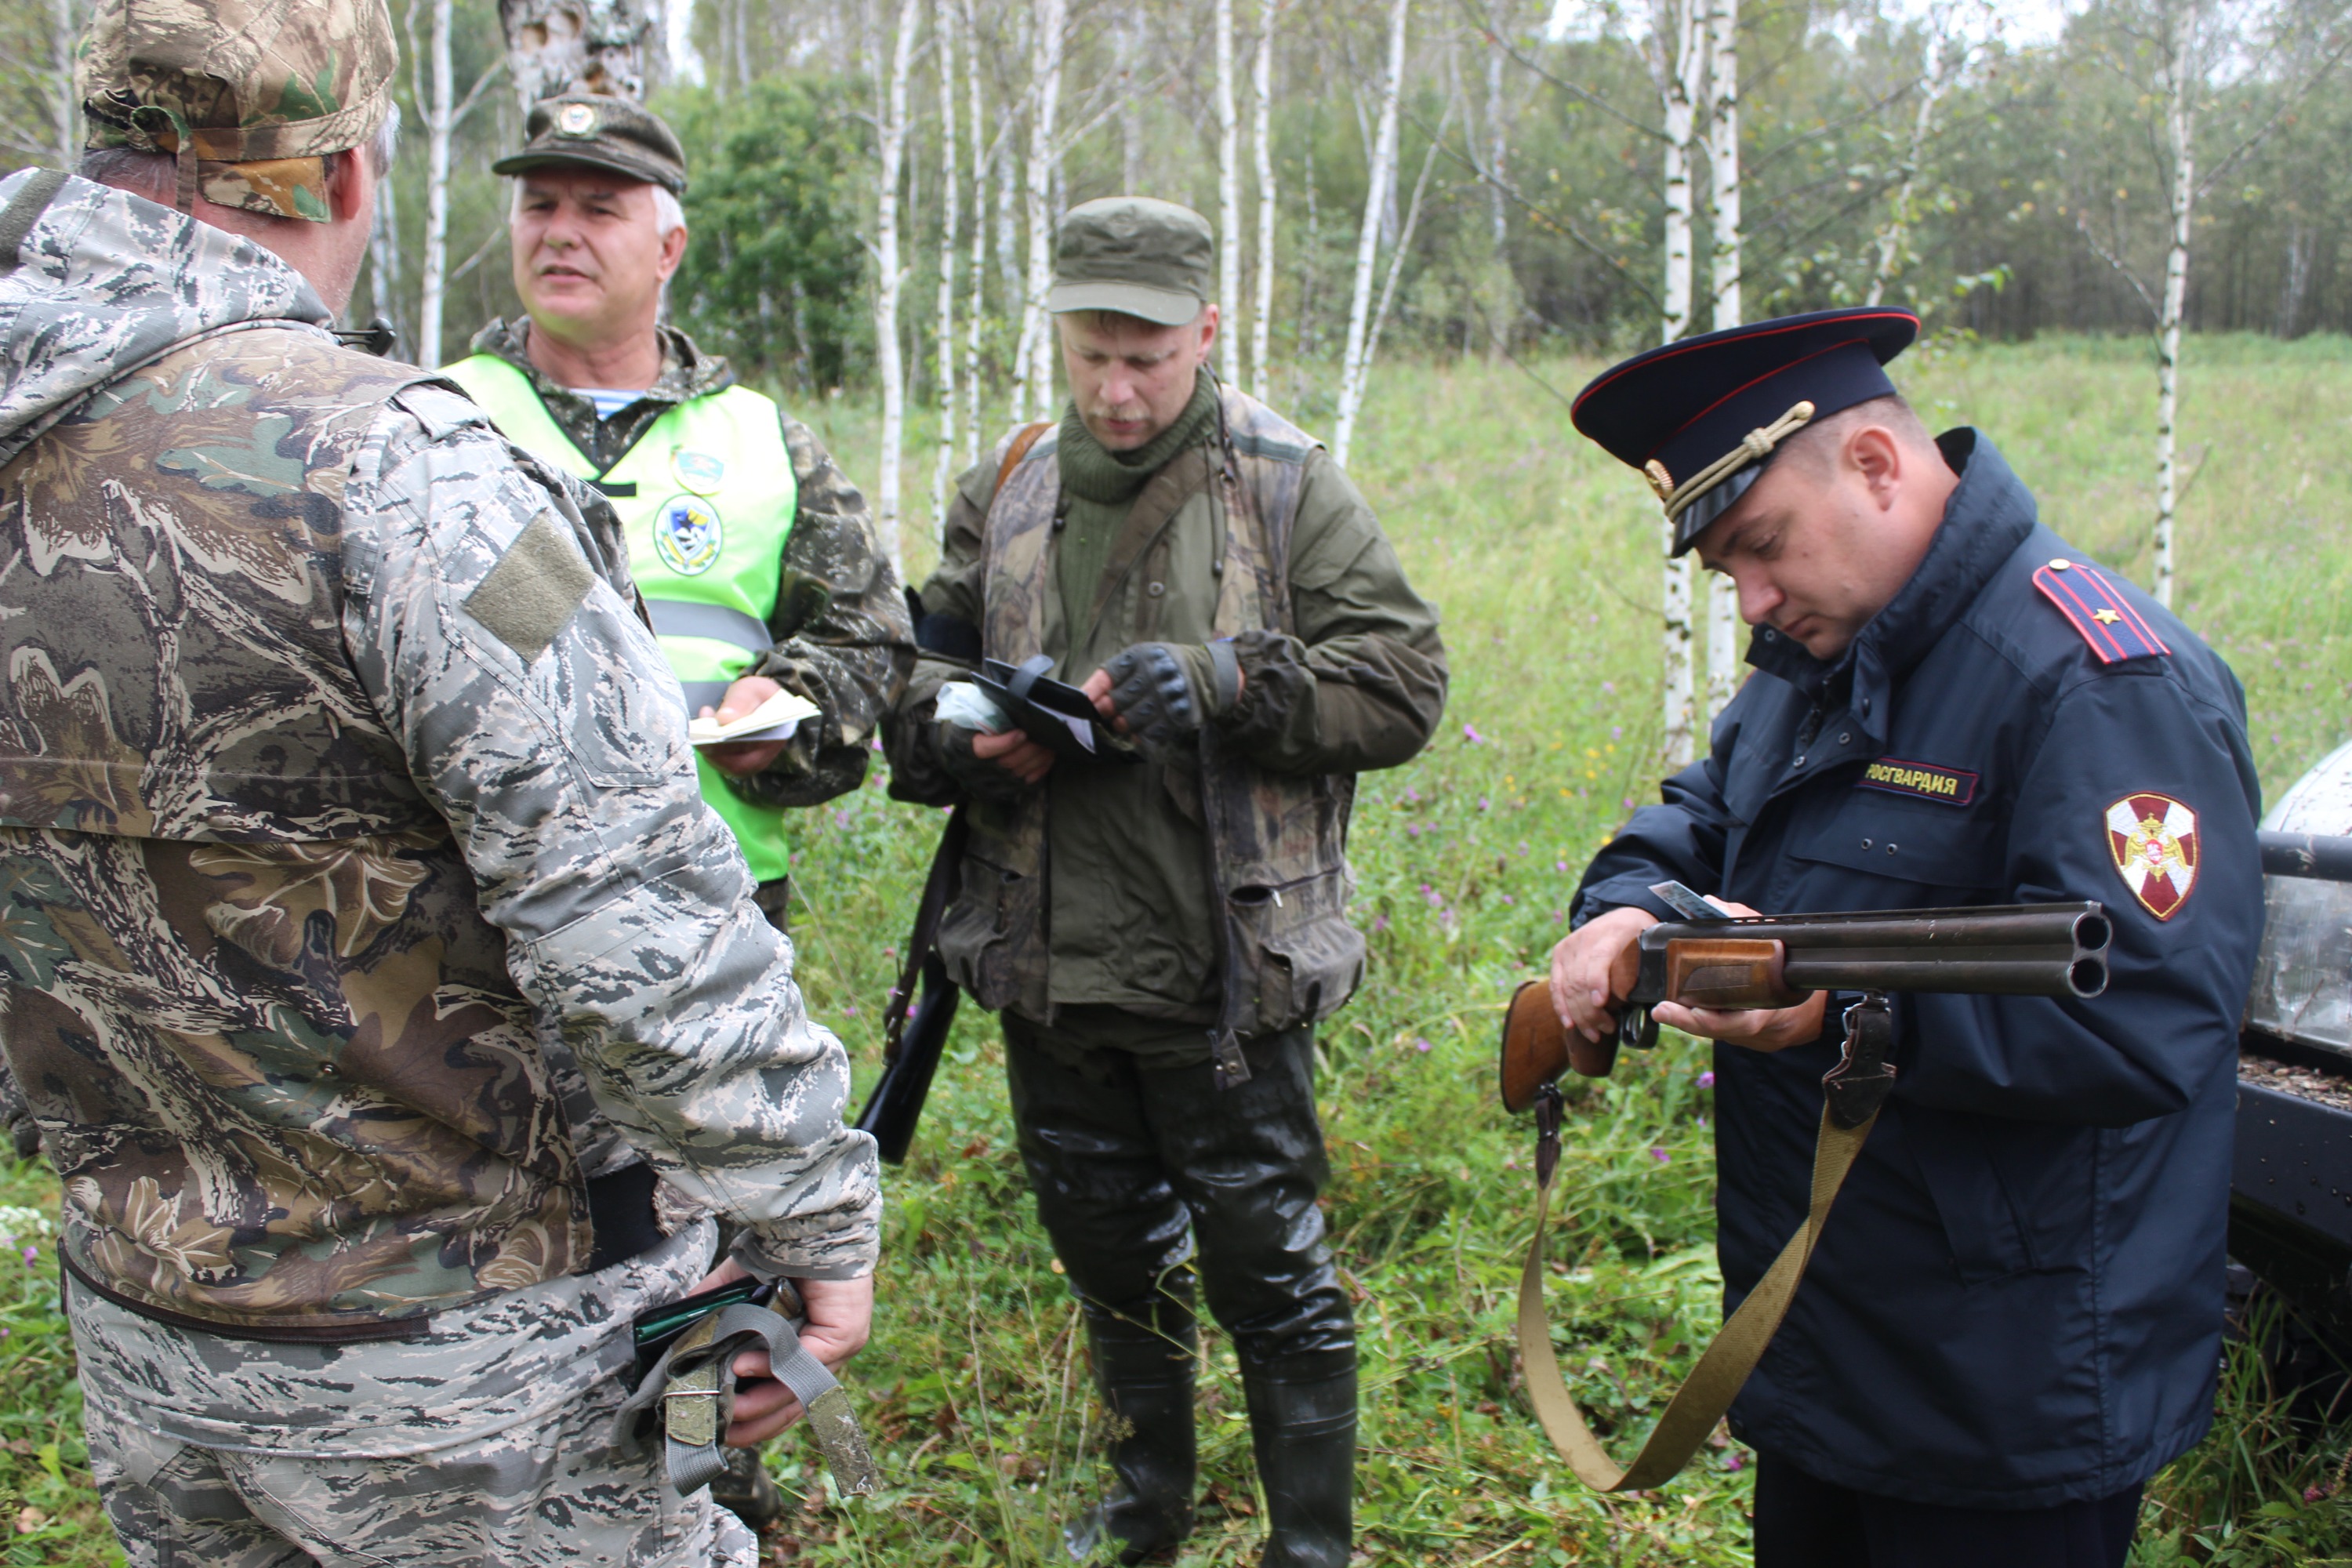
point(2128, 226)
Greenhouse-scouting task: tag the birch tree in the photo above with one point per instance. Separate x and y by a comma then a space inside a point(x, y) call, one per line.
point(1723, 228)
point(892, 279)
point(1677, 62)
point(1032, 383)
point(1261, 141)
point(585, 45)
point(1943, 56)
point(1354, 364)
point(976, 303)
point(443, 113)
point(943, 27)
point(1229, 204)
point(2185, 42)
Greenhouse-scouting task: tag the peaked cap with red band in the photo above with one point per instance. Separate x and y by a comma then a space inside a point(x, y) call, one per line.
point(1702, 417)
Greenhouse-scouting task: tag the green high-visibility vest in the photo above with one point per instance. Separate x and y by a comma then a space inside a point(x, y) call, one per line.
point(706, 498)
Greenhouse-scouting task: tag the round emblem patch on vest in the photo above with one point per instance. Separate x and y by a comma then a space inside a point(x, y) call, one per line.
point(2154, 840)
point(701, 472)
point(689, 535)
point(575, 120)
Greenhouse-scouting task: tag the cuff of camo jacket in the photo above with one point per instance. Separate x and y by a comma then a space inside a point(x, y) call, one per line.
point(830, 1256)
point(1270, 671)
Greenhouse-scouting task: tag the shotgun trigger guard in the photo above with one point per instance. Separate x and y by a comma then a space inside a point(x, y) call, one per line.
point(1635, 1027)
point(1863, 1078)
point(1549, 1108)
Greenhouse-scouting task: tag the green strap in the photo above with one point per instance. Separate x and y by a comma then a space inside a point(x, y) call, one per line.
point(1715, 1381)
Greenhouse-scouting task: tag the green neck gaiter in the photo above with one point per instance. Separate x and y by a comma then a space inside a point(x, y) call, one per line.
point(1090, 472)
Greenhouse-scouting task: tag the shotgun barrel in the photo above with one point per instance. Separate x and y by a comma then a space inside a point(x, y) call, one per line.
point(1777, 961)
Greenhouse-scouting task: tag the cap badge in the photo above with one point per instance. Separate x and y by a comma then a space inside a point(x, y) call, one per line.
point(575, 120)
point(1660, 480)
point(2154, 840)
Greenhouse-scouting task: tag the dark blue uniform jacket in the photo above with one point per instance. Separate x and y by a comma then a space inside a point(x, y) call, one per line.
point(2017, 1299)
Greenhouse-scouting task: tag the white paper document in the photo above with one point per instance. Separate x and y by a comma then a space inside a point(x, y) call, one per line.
point(773, 720)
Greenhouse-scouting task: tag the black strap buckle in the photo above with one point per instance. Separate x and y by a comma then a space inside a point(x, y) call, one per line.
point(1550, 1110)
point(1863, 1078)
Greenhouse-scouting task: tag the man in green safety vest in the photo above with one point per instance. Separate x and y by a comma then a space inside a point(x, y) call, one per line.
point(757, 558)
point(758, 561)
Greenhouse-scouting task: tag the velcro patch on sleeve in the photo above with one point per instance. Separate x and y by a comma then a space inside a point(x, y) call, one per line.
point(533, 591)
point(2096, 608)
point(1951, 787)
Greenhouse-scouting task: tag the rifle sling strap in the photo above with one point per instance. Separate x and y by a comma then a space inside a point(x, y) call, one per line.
point(1691, 1417)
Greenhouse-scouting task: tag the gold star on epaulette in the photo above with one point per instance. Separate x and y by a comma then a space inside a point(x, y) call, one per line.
point(2105, 617)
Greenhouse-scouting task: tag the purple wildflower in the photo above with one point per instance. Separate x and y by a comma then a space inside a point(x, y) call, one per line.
point(1379, 924)
point(1482, 803)
point(1707, 1078)
point(1609, 686)
point(1626, 804)
point(1508, 900)
point(1470, 734)
point(1734, 1462)
point(1662, 1157)
point(1616, 731)
point(1421, 1045)
point(32, 1255)
point(1559, 864)
point(849, 1009)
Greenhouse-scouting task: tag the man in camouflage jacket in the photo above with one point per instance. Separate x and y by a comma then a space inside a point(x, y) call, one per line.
point(365, 946)
point(757, 559)
point(1161, 936)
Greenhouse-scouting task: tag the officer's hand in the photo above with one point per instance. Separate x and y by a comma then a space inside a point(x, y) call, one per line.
point(1016, 753)
point(1594, 966)
point(743, 757)
point(1754, 1028)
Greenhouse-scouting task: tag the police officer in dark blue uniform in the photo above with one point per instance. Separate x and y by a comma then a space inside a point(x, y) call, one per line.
point(2014, 1316)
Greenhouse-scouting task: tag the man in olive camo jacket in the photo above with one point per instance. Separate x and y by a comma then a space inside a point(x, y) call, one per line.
point(367, 945)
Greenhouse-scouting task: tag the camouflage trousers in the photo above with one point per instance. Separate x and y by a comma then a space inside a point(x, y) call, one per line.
point(488, 1444)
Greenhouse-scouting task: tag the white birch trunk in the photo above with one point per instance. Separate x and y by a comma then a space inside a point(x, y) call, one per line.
point(1723, 224)
point(439, 114)
point(887, 356)
point(685, 62)
point(1130, 119)
point(1678, 41)
point(1498, 146)
point(64, 32)
point(1033, 385)
point(1229, 205)
point(950, 217)
point(2180, 127)
point(1679, 57)
point(1677, 744)
point(385, 287)
point(1353, 366)
point(589, 46)
point(1938, 72)
point(1723, 163)
point(976, 308)
point(1262, 137)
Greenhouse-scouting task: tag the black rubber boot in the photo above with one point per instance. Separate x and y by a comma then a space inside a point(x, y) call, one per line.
point(1144, 1370)
point(1302, 1414)
point(746, 1489)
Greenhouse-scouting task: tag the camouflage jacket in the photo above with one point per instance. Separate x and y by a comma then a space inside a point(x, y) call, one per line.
point(1085, 891)
point(842, 640)
point(336, 768)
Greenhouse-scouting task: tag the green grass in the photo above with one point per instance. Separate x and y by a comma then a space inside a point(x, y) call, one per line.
point(1539, 550)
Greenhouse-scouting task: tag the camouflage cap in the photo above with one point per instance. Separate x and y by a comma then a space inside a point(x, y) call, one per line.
point(1139, 256)
point(250, 95)
point(614, 133)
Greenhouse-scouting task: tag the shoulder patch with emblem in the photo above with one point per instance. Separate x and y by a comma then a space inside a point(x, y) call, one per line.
point(2154, 840)
point(2096, 608)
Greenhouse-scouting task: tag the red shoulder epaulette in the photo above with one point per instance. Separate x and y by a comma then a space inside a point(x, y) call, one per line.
point(2098, 610)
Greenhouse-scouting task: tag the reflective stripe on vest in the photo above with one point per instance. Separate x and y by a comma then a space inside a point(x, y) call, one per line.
point(712, 504)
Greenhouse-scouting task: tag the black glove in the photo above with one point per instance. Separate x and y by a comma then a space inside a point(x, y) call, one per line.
point(981, 778)
point(1166, 691)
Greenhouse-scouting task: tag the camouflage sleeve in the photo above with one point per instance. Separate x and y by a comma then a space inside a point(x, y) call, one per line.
point(1362, 684)
point(539, 718)
point(843, 639)
point(909, 736)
